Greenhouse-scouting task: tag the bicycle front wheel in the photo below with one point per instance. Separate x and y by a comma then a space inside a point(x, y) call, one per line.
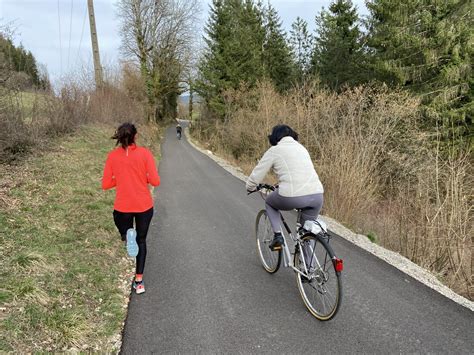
point(321, 290)
point(264, 235)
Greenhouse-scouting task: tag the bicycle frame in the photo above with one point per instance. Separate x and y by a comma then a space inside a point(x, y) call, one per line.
point(287, 259)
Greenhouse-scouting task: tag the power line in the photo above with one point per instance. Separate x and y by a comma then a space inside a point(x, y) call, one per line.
point(70, 34)
point(82, 34)
point(60, 43)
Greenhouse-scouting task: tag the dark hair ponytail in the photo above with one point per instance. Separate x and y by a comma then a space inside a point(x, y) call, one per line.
point(125, 134)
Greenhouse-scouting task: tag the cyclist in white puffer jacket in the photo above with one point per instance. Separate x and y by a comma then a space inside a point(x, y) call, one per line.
point(298, 183)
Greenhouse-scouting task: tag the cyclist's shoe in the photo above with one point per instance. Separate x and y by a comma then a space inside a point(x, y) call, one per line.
point(139, 287)
point(304, 279)
point(132, 246)
point(277, 242)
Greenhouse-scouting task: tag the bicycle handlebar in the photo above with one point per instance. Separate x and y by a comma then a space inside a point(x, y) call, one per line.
point(263, 186)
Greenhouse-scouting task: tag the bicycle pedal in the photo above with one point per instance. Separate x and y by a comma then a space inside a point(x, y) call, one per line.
point(305, 280)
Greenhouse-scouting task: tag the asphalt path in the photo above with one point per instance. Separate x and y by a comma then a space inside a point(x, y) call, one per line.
point(206, 291)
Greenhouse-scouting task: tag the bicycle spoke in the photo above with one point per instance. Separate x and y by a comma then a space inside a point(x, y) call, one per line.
point(330, 296)
point(264, 235)
point(322, 291)
point(323, 304)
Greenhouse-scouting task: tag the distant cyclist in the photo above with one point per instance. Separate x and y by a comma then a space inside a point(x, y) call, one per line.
point(130, 168)
point(179, 130)
point(299, 184)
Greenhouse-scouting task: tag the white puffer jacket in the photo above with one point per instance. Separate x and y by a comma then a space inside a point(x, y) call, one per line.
point(292, 164)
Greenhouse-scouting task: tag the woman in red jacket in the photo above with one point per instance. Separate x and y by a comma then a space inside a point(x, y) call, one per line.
point(130, 168)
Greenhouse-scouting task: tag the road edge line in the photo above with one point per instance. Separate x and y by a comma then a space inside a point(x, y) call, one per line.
point(396, 260)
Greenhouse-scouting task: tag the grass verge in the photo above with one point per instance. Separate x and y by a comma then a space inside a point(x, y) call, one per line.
point(65, 276)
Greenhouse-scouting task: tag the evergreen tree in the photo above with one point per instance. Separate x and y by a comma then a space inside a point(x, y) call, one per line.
point(234, 54)
point(215, 70)
point(31, 68)
point(301, 42)
point(277, 57)
point(426, 46)
point(18, 59)
point(337, 58)
point(250, 39)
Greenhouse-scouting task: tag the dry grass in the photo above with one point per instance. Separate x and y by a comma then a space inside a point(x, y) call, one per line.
point(381, 173)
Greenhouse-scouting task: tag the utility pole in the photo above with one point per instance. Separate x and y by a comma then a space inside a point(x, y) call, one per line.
point(95, 47)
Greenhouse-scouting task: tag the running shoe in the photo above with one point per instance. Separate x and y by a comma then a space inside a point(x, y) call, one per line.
point(139, 287)
point(132, 246)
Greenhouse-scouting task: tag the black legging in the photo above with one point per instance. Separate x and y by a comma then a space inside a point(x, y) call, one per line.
point(124, 221)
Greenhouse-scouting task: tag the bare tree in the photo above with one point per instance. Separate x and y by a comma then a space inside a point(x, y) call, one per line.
point(159, 36)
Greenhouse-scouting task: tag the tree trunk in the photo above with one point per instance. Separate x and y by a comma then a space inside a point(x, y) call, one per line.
point(191, 101)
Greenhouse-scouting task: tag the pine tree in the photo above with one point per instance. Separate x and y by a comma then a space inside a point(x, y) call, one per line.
point(18, 59)
point(301, 42)
point(234, 54)
point(31, 68)
point(251, 37)
point(277, 57)
point(426, 46)
point(213, 78)
point(337, 58)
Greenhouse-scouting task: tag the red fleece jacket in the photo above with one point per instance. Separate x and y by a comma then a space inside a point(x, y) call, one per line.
point(130, 170)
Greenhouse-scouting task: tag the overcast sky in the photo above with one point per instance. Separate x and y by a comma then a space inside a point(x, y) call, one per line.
point(57, 31)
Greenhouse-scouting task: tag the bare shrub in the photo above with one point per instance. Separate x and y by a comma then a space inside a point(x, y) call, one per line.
point(66, 112)
point(18, 81)
point(430, 220)
point(123, 97)
point(380, 171)
point(113, 104)
point(354, 141)
point(31, 121)
point(15, 139)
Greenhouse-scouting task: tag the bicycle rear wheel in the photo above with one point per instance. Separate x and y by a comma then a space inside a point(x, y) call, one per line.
point(264, 235)
point(322, 289)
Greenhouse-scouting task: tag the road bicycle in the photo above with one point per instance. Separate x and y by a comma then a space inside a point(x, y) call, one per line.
point(318, 270)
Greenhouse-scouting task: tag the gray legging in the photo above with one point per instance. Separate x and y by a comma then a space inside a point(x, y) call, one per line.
point(311, 205)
